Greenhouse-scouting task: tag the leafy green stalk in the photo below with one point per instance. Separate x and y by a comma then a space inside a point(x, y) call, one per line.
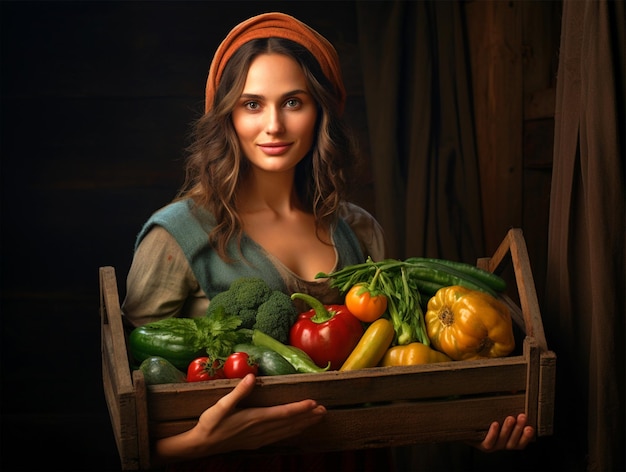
point(394, 302)
point(413, 309)
point(218, 333)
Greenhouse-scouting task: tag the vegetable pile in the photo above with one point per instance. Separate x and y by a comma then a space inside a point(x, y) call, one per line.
point(395, 313)
point(181, 340)
point(404, 282)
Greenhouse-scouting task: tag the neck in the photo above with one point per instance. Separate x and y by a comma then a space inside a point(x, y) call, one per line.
point(268, 191)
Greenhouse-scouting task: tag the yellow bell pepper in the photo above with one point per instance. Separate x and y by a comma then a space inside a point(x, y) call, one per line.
point(469, 324)
point(412, 354)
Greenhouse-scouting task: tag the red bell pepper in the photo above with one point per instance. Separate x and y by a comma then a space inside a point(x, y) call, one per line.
point(327, 333)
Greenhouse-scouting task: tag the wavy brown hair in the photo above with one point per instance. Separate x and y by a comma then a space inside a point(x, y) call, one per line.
point(216, 164)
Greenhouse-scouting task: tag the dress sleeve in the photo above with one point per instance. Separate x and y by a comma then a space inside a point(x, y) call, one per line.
point(160, 282)
point(366, 228)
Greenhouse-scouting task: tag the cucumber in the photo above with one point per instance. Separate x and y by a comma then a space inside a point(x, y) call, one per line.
point(157, 370)
point(445, 275)
point(427, 288)
point(174, 339)
point(493, 281)
point(270, 362)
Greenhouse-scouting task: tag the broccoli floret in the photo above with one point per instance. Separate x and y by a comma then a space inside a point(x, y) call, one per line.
point(258, 307)
point(250, 292)
point(242, 299)
point(276, 315)
point(226, 300)
point(231, 305)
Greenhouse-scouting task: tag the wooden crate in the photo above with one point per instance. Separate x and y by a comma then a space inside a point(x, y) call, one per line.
point(369, 408)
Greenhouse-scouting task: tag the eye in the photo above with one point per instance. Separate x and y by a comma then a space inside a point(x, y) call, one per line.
point(251, 105)
point(293, 103)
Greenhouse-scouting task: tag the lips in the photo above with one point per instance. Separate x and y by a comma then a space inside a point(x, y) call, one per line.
point(274, 149)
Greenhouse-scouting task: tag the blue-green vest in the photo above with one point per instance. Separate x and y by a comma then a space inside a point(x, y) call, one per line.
point(190, 225)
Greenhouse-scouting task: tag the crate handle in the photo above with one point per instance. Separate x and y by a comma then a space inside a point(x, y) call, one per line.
point(515, 244)
point(111, 315)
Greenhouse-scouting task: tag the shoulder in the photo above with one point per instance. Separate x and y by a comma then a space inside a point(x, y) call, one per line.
point(160, 248)
point(160, 283)
point(351, 212)
point(366, 228)
point(186, 222)
point(182, 212)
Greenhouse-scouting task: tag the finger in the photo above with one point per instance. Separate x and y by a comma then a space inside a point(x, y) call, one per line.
point(229, 402)
point(508, 438)
point(527, 436)
point(258, 434)
point(289, 410)
point(290, 415)
point(517, 429)
point(491, 437)
point(525, 433)
point(497, 436)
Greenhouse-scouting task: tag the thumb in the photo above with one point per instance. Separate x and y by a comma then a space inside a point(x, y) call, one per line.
point(229, 402)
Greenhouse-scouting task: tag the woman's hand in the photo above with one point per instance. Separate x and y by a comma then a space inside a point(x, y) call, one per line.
point(513, 435)
point(223, 428)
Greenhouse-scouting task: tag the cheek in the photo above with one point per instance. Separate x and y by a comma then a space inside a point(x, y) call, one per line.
point(244, 126)
point(307, 131)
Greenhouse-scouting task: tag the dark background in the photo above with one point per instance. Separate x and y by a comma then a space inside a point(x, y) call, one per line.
point(97, 99)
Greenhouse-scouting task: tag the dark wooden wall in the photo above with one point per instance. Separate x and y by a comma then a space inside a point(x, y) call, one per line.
point(97, 98)
point(514, 56)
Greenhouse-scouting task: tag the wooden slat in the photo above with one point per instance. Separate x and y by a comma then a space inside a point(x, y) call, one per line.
point(396, 424)
point(515, 245)
point(121, 405)
point(119, 390)
point(500, 256)
point(531, 352)
point(345, 389)
point(143, 435)
point(526, 288)
point(547, 381)
point(112, 316)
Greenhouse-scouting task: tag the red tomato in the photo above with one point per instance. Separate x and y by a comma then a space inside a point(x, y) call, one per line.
point(205, 368)
point(239, 364)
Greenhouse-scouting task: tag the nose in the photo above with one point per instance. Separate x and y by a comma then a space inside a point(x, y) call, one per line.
point(274, 123)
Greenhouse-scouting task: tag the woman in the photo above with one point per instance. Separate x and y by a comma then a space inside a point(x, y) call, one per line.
point(265, 195)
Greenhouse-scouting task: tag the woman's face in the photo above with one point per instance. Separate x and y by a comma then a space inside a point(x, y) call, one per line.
point(275, 115)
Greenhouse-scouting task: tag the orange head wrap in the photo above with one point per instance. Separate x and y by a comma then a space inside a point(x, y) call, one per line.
point(277, 25)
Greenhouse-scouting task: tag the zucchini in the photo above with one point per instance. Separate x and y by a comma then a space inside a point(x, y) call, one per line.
point(157, 370)
point(174, 339)
point(270, 362)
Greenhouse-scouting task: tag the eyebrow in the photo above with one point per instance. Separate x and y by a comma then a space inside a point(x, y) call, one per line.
point(285, 95)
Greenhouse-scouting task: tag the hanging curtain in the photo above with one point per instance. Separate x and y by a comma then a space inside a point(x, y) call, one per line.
point(424, 162)
point(585, 280)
